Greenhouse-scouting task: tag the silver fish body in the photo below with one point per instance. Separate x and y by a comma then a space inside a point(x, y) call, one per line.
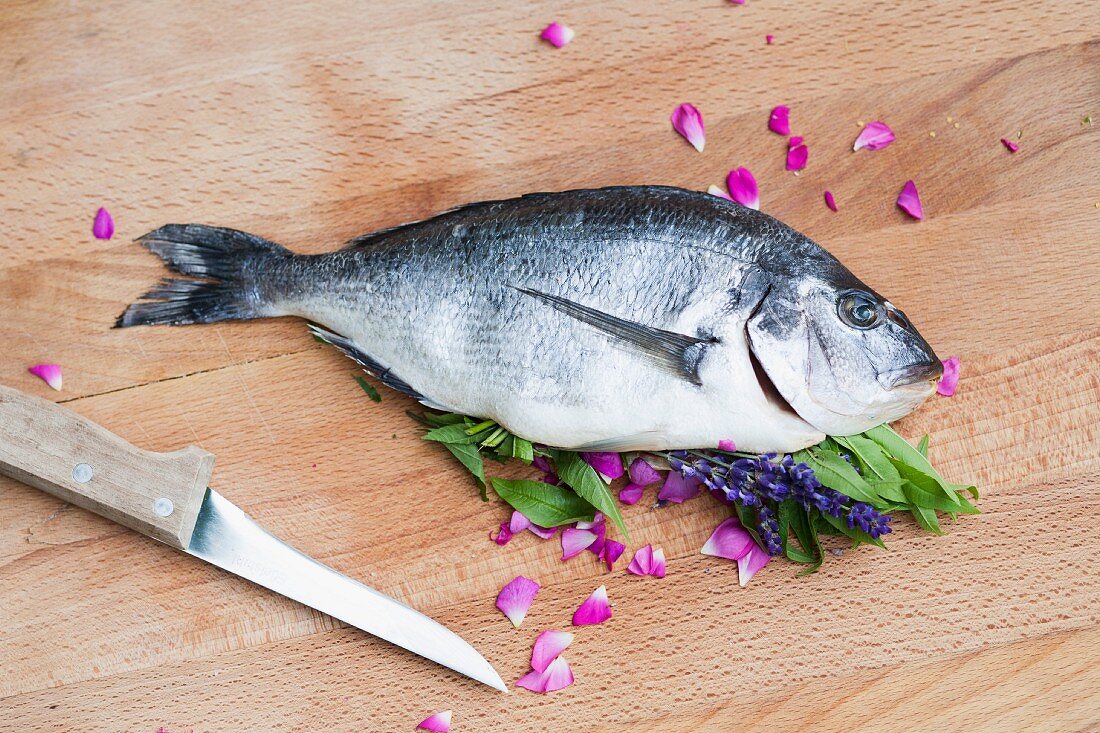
point(618, 318)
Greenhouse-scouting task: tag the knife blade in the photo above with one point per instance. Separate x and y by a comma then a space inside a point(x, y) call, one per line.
point(166, 496)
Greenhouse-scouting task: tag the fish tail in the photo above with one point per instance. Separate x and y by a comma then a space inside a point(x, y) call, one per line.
point(236, 271)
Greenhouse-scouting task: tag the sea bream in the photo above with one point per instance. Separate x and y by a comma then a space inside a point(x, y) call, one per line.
point(626, 318)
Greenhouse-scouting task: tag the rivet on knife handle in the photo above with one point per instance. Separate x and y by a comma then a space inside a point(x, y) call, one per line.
point(56, 450)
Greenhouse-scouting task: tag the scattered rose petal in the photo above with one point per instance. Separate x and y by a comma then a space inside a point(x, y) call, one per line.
point(715, 191)
point(597, 520)
point(743, 188)
point(1012, 147)
point(542, 463)
point(729, 540)
point(909, 201)
point(543, 533)
point(727, 445)
point(769, 38)
point(750, 563)
point(687, 121)
point(575, 541)
point(950, 378)
point(611, 551)
point(780, 120)
point(678, 489)
point(648, 561)
point(518, 523)
point(548, 646)
point(104, 226)
point(875, 136)
point(608, 465)
point(555, 677)
point(48, 373)
point(504, 536)
point(557, 34)
point(738, 2)
point(797, 154)
point(594, 610)
point(438, 723)
point(515, 598)
point(631, 494)
point(600, 530)
point(830, 201)
point(642, 473)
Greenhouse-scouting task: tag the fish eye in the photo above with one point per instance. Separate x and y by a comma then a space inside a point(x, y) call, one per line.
point(859, 310)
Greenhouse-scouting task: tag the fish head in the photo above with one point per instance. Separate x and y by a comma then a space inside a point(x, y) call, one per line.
point(842, 356)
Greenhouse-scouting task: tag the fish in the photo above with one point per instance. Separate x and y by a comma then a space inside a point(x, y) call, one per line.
point(626, 318)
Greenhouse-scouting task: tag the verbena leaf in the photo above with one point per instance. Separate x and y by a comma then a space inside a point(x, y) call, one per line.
point(583, 479)
point(926, 518)
point(922, 446)
point(900, 449)
point(924, 491)
point(471, 459)
point(749, 519)
point(543, 504)
point(836, 473)
point(870, 454)
point(523, 450)
point(480, 427)
point(369, 389)
point(804, 530)
point(442, 418)
point(856, 534)
point(451, 434)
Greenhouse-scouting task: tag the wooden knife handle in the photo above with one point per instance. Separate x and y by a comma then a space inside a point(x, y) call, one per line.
point(54, 449)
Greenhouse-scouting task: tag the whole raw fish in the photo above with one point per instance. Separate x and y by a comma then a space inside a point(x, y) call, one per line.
point(612, 319)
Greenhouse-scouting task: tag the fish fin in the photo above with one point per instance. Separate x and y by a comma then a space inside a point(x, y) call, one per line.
point(227, 259)
point(370, 365)
point(674, 352)
point(623, 443)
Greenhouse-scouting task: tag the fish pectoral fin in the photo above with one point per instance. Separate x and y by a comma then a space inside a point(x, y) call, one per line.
point(623, 443)
point(674, 352)
point(370, 365)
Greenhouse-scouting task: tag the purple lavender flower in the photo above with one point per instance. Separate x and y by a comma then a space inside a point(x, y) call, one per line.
point(769, 531)
point(868, 519)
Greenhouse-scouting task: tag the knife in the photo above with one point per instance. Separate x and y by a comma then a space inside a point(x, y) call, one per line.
point(165, 496)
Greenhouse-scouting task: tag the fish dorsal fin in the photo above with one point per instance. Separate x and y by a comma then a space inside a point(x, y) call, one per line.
point(676, 353)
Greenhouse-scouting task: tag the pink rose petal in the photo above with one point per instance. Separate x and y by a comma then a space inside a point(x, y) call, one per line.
point(678, 489)
point(687, 121)
point(597, 520)
point(557, 34)
point(611, 551)
point(830, 201)
point(504, 536)
point(797, 154)
point(769, 38)
point(594, 610)
point(518, 523)
point(575, 541)
point(104, 226)
point(738, 2)
point(874, 136)
point(950, 379)
point(743, 188)
point(1012, 147)
point(648, 561)
point(608, 465)
point(642, 473)
point(727, 445)
point(555, 677)
point(631, 494)
point(543, 533)
point(515, 598)
point(548, 646)
point(780, 120)
point(715, 191)
point(909, 201)
point(729, 540)
point(750, 563)
point(48, 373)
point(437, 723)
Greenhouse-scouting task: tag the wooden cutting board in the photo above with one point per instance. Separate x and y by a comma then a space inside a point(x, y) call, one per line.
point(310, 123)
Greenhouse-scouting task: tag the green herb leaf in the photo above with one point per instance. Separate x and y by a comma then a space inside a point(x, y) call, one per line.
point(922, 446)
point(439, 418)
point(543, 504)
point(803, 527)
point(836, 473)
point(369, 389)
point(924, 491)
point(856, 535)
point(905, 454)
point(484, 425)
point(471, 459)
point(926, 518)
point(871, 455)
point(523, 450)
point(451, 434)
point(583, 479)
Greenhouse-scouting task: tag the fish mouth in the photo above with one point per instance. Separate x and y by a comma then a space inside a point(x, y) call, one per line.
point(925, 371)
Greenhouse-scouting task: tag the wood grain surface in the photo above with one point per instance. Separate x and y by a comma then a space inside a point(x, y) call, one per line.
point(310, 123)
